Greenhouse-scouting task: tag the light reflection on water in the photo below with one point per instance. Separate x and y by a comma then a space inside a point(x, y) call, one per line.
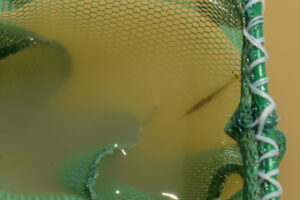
point(59, 101)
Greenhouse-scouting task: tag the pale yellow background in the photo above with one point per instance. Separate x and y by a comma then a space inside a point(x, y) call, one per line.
point(282, 32)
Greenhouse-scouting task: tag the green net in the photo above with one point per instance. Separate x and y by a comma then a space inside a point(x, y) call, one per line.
point(146, 87)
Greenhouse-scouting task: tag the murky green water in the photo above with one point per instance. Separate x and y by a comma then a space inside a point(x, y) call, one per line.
point(42, 126)
point(119, 84)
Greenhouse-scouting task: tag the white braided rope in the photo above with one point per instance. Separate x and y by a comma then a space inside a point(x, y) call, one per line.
point(260, 121)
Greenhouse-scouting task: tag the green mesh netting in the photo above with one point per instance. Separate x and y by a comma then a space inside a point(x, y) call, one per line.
point(145, 86)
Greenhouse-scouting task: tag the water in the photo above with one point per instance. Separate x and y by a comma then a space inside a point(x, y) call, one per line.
point(41, 130)
point(118, 84)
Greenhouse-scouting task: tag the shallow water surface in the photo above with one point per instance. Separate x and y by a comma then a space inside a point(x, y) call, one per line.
point(164, 91)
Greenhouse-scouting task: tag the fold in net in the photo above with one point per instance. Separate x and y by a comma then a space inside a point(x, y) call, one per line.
point(119, 99)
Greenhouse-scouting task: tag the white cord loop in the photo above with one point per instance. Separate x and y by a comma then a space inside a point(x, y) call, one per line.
point(260, 121)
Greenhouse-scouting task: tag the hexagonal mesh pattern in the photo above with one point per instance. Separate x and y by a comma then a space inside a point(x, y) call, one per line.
point(179, 58)
point(196, 42)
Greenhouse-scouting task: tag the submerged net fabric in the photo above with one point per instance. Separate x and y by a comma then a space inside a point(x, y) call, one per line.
point(212, 168)
point(154, 59)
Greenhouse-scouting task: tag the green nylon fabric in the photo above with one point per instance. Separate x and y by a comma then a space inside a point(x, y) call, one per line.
point(205, 173)
point(82, 175)
point(239, 128)
point(14, 39)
